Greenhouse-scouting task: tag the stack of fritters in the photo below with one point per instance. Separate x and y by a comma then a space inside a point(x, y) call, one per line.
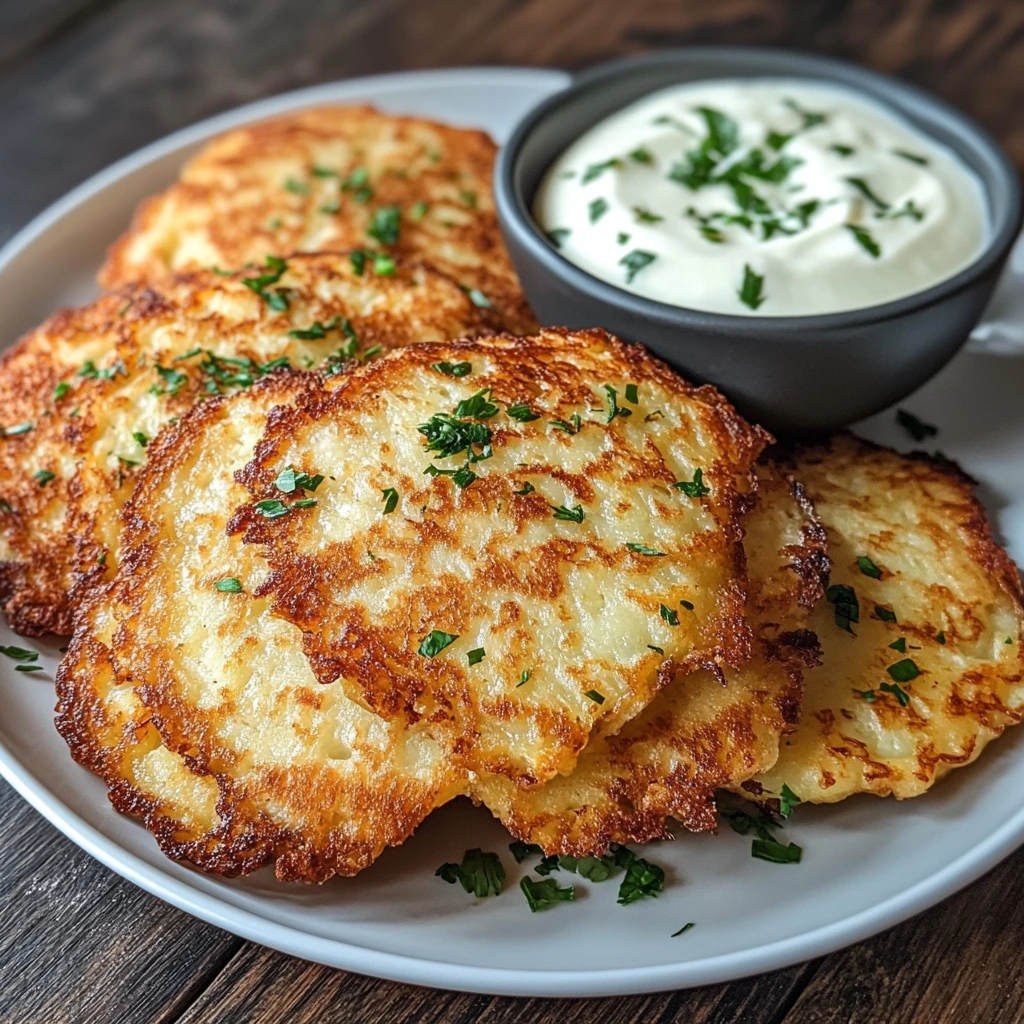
point(329, 567)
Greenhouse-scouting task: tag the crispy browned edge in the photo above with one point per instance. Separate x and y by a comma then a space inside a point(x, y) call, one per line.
point(246, 839)
point(687, 798)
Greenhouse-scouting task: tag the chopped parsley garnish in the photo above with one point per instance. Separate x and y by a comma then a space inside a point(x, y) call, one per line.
point(419, 211)
point(478, 298)
point(527, 488)
point(632, 394)
point(524, 678)
point(380, 263)
point(868, 567)
point(898, 692)
point(322, 172)
point(774, 852)
point(940, 637)
point(868, 193)
point(844, 151)
point(62, 388)
point(596, 170)
point(751, 291)
point(461, 477)
point(686, 927)
point(18, 428)
point(644, 216)
point(90, 371)
point(558, 235)
point(572, 427)
point(657, 650)
point(468, 198)
point(847, 607)
point(229, 585)
point(291, 479)
point(453, 369)
point(521, 850)
point(435, 642)
point(865, 240)
point(595, 696)
point(19, 654)
point(670, 615)
point(613, 404)
point(272, 508)
point(695, 488)
point(28, 668)
point(777, 140)
point(356, 183)
point(481, 874)
point(917, 429)
point(43, 476)
point(140, 438)
point(914, 158)
point(597, 209)
point(904, 671)
point(885, 614)
point(384, 226)
point(568, 515)
point(642, 549)
point(299, 188)
point(867, 695)
point(787, 801)
point(316, 330)
point(899, 645)
point(810, 118)
point(174, 380)
point(642, 878)
point(635, 261)
point(390, 500)
point(475, 656)
point(546, 893)
point(622, 237)
point(522, 413)
point(448, 436)
point(277, 299)
point(641, 155)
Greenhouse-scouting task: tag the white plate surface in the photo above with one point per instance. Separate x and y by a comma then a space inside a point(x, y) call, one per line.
point(868, 863)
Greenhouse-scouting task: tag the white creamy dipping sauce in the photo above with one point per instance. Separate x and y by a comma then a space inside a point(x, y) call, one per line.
point(767, 197)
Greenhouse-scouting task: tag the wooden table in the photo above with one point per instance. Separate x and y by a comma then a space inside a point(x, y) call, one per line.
point(83, 82)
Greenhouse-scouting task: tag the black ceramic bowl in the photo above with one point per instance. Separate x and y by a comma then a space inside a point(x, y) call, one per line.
point(794, 374)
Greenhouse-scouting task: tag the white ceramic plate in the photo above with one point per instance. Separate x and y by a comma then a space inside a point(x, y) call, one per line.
point(867, 863)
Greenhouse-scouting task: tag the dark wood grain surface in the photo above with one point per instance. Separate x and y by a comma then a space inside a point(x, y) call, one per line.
point(83, 82)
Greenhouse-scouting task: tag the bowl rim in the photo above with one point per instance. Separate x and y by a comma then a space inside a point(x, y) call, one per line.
point(514, 210)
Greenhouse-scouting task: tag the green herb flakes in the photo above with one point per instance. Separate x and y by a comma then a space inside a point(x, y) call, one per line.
point(435, 642)
point(390, 500)
point(865, 240)
point(868, 567)
point(642, 878)
point(916, 428)
point(670, 615)
point(229, 585)
point(635, 261)
point(568, 515)
point(481, 874)
point(751, 291)
point(43, 476)
point(475, 656)
point(686, 927)
point(885, 614)
point(595, 696)
point(904, 671)
point(546, 893)
point(522, 413)
point(642, 549)
point(385, 225)
point(695, 488)
point(596, 209)
point(897, 691)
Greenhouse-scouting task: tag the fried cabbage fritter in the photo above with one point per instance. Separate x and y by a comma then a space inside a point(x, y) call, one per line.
point(196, 705)
point(701, 733)
point(331, 178)
point(101, 382)
point(921, 631)
point(519, 539)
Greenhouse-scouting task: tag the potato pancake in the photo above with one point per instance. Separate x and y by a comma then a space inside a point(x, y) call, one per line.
point(699, 734)
point(921, 631)
point(101, 382)
point(520, 539)
point(331, 178)
point(196, 705)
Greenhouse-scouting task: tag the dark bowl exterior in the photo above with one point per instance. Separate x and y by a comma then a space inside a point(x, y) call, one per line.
point(796, 375)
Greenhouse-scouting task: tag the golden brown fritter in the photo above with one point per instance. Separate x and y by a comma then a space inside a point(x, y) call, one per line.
point(921, 634)
point(507, 530)
point(331, 178)
point(197, 706)
point(701, 733)
point(129, 365)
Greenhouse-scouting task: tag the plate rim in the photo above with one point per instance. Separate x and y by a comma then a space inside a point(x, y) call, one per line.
point(159, 882)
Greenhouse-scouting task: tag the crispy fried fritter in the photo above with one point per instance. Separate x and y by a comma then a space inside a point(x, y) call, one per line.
point(925, 667)
point(699, 734)
point(512, 590)
point(129, 364)
point(197, 706)
point(331, 178)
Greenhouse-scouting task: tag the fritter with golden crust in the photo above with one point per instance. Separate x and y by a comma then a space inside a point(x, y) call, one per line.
point(331, 178)
point(196, 705)
point(700, 733)
point(520, 538)
point(129, 365)
point(921, 631)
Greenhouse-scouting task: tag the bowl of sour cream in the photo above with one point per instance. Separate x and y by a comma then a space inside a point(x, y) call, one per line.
point(814, 238)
